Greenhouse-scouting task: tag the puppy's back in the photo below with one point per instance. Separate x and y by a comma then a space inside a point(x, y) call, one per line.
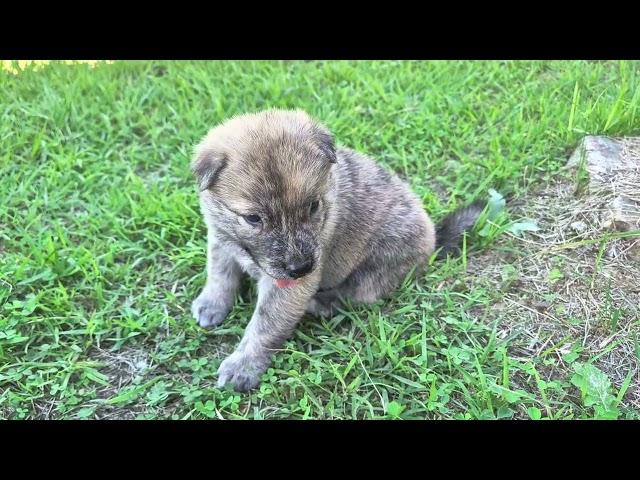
point(377, 211)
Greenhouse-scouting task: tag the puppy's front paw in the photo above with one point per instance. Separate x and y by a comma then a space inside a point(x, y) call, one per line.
point(207, 311)
point(241, 371)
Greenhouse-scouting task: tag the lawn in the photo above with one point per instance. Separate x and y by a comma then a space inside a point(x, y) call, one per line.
point(102, 246)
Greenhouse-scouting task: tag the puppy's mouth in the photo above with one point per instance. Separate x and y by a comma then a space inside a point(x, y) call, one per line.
point(287, 282)
point(280, 282)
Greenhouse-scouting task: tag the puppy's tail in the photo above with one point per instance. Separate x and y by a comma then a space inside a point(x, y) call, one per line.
point(450, 230)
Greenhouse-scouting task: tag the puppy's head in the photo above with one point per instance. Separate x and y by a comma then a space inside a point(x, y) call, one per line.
point(265, 183)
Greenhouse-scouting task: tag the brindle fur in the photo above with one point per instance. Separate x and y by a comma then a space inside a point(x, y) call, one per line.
point(368, 232)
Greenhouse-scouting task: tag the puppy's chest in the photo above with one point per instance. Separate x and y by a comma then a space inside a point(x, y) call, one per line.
point(245, 262)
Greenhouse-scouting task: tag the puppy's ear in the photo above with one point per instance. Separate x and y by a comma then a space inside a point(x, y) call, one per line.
point(207, 165)
point(325, 142)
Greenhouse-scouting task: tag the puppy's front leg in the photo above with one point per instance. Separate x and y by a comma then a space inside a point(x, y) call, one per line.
point(277, 313)
point(223, 277)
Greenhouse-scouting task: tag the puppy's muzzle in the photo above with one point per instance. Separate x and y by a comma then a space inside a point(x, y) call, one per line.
point(299, 268)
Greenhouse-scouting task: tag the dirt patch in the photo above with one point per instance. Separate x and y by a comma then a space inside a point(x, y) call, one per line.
point(574, 286)
point(123, 368)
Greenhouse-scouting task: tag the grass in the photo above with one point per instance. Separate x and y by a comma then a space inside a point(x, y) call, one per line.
point(102, 244)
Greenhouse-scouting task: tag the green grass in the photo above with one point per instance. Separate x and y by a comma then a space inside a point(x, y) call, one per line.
point(102, 247)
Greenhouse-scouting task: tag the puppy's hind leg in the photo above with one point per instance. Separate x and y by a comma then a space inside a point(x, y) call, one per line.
point(370, 282)
point(403, 243)
point(374, 280)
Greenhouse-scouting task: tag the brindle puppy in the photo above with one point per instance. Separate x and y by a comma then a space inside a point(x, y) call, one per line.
point(311, 224)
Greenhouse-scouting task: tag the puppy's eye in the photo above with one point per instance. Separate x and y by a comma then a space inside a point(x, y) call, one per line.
point(253, 220)
point(313, 207)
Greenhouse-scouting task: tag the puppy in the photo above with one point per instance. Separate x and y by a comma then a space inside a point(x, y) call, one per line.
point(312, 224)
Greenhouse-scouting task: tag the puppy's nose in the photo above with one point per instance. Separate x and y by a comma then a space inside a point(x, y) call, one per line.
point(299, 269)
